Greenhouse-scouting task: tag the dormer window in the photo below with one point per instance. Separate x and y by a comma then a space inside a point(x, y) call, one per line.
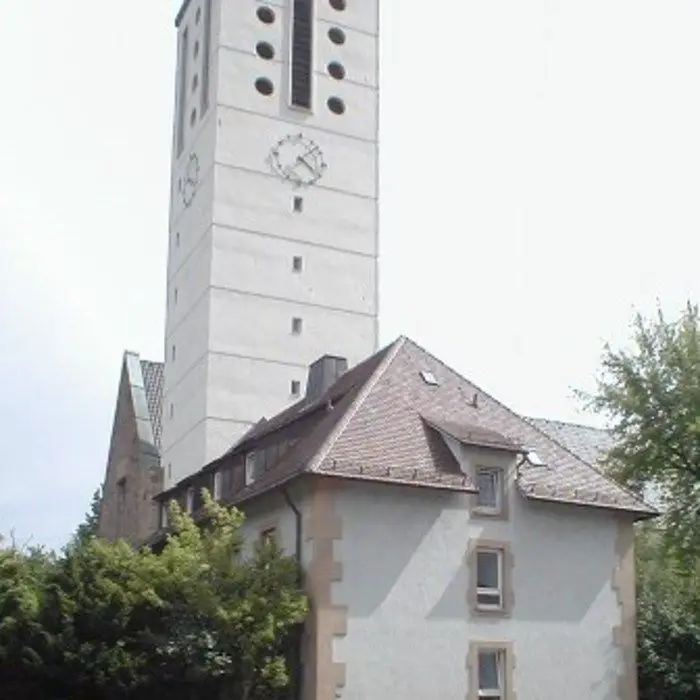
point(190, 500)
point(250, 464)
point(489, 482)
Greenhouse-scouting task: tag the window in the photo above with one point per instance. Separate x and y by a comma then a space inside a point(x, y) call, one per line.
point(266, 15)
point(265, 50)
point(195, 52)
point(164, 515)
point(190, 499)
point(336, 105)
point(489, 482)
point(336, 70)
point(302, 59)
point(172, 410)
point(336, 35)
point(295, 389)
point(198, 16)
point(264, 86)
point(269, 534)
point(177, 239)
point(297, 325)
point(298, 204)
point(175, 296)
point(429, 377)
point(206, 50)
point(193, 117)
point(170, 470)
point(250, 464)
point(297, 263)
point(338, 5)
point(489, 579)
point(491, 663)
point(182, 100)
point(217, 486)
point(173, 352)
point(195, 82)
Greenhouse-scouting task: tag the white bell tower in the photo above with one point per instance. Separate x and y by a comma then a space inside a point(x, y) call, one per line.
point(272, 257)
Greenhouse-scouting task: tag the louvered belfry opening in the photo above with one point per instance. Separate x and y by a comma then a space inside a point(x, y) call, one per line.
point(302, 58)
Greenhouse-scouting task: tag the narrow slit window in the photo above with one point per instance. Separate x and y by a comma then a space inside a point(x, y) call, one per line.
point(302, 58)
point(297, 263)
point(298, 204)
point(190, 500)
point(295, 388)
point(297, 325)
point(206, 52)
point(217, 486)
point(182, 93)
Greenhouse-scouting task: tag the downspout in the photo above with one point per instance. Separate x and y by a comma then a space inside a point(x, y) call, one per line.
point(298, 555)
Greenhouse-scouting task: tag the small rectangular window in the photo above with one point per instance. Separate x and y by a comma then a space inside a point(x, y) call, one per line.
point(491, 675)
point(269, 534)
point(173, 353)
point(297, 325)
point(250, 468)
point(175, 296)
point(489, 579)
point(190, 499)
point(295, 387)
point(172, 410)
point(217, 486)
point(298, 204)
point(489, 483)
point(297, 263)
point(164, 515)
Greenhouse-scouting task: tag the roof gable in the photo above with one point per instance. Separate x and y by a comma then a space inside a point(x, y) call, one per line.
point(383, 436)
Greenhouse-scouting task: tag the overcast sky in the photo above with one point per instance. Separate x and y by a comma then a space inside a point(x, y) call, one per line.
point(540, 167)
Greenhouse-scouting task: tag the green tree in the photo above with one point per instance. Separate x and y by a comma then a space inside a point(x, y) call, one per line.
point(650, 395)
point(88, 528)
point(199, 619)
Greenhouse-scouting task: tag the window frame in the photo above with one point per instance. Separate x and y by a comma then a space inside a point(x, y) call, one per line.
point(505, 659)
point(249, 468)
point(487, 591)
point(499, 508)
point(506, 563)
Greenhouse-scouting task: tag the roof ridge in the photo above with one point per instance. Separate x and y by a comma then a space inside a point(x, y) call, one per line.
point(532, 425)
point(351, 412)
point(569, 423)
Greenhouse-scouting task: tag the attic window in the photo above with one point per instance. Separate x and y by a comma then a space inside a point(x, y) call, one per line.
point(429, 378)
point(250, 463)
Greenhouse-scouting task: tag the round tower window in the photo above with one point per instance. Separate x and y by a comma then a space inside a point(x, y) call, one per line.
point(336, 105)
point(336, 70)
point(265, 50)
point(336, 35)
point(264, 86)
point(338, 5)
point(266, 14)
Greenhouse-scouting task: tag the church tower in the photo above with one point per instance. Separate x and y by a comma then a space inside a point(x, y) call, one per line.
point(272, 258)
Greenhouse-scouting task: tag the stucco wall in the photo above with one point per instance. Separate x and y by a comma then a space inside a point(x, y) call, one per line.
point(405, 583)
point(231, 250)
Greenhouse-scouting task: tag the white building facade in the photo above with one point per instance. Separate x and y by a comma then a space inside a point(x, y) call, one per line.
point(272, 257)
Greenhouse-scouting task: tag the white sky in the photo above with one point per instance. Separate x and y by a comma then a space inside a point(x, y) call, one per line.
point(540, 165)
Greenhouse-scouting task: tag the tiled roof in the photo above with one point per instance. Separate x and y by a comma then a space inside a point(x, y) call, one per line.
point(371, 425)
point(153, 384)
point(586, 442)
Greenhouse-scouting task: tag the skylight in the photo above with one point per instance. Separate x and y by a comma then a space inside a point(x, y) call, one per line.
point(534, 459)
point(429, 378)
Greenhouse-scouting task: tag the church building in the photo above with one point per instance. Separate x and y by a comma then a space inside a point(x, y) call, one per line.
point(451, 547)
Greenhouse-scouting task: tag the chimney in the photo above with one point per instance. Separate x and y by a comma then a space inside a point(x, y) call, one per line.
point(323, 373)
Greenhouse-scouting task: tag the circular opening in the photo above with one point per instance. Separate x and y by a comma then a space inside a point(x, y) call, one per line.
point(195, 51)
point(193, 117)
point(336, 70)
point(266, 15)
point(264, 86)
point(338, 5)
point(336, 35)
point(265, 50)
point(195, 82)
point(336, 105)
point(198, 16)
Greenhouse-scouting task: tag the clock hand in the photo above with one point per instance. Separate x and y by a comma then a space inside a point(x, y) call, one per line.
point(302, 160)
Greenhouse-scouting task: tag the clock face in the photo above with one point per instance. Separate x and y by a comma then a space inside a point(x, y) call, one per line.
point(298, 160)
point(188, 184)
